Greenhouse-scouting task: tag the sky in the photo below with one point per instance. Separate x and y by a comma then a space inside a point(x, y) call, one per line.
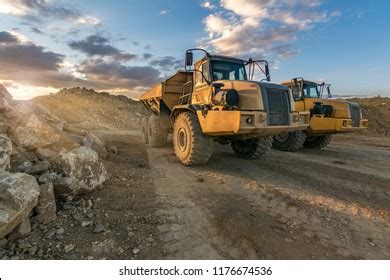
point(126, 46)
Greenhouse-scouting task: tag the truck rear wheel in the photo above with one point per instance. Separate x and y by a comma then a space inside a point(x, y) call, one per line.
point(157, 134)
point(289, 141)
point(317, 142)
point(144, 125)
point(252, 148)
point(191, 146)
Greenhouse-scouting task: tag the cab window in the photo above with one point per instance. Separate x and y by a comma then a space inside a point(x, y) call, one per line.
point(225, 70)
point(199, 78)
point(206, 73)
point(311, 91)
point(295, 92)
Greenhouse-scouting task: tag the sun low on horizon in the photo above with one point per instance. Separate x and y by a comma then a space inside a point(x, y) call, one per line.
point(125, 47)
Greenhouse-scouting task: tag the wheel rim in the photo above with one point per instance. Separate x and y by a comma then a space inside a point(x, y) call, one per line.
point(283, 137)
point(182, 139)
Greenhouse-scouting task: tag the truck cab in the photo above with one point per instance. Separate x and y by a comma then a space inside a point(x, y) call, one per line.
point(327, 116)
point(227, 85)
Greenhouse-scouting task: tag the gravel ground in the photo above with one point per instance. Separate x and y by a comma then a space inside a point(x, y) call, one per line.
point(327, 204)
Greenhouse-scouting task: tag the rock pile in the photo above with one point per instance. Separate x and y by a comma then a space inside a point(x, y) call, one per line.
point(39, 162)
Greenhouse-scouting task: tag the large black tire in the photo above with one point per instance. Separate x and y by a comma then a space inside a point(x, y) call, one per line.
point(144, 126)
point(191, 146)
point(252, 148)
point(157, 134)
point(289, 141)
point(317, 142)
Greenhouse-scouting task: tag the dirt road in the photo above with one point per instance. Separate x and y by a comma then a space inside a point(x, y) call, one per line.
point(333, 203)
point(328, 204)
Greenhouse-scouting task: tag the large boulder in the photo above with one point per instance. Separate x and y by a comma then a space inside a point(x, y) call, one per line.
point(5, 152)
point(19, 194)
point(28, 108)
point(95, 143)
point(35, 133)
point(4, 93)
point(8, 112)
point(82, 172)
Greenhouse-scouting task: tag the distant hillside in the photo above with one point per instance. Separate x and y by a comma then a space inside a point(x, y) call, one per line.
point(90, 110)
point(377, 111)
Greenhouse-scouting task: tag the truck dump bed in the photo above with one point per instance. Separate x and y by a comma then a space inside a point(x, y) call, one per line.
point(168, 91)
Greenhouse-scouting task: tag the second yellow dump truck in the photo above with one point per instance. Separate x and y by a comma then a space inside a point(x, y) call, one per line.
point(216, 99)
point(327, 117)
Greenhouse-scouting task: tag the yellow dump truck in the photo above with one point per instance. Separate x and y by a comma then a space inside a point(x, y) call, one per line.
point(327, 117)
point(216, 100)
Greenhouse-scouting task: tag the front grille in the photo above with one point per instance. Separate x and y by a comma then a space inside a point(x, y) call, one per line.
point(278, 107)
point(355, 114)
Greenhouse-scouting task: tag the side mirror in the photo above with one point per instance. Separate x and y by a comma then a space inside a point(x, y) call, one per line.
point(267, 74)
point(328, 90)
point(189, 59)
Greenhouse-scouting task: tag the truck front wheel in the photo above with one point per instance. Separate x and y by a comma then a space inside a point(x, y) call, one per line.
point(157, 134)
point(191, 146)
point(317, 142)
point(289, 141)
point(252, 148)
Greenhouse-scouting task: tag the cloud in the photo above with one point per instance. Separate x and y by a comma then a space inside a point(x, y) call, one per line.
point(167, 63)
point(35, 10)
point(25, 62)
point(146, 56)
point(163, 12)
point(261, 28)
point(17, 52)
point(110, 74)
point(286, 51)
point(97, 45)
point(88, 20)
point(208, 5)
point(247, 8)
point(8, 37)
point(37, 30)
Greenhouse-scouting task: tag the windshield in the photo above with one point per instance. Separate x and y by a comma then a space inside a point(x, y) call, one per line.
point(226, 70)
point(310, 90)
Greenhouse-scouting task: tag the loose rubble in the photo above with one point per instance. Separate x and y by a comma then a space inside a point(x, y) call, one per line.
point(46, 207)
point(38, 161)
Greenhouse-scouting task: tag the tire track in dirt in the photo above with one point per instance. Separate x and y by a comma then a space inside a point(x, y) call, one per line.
point(270, 209)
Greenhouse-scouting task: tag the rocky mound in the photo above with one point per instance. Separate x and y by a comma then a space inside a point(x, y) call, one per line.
point(86, 109)
point(39, 161)
point(377, 111)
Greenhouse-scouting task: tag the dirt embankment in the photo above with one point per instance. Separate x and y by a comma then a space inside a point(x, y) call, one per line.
point(377, 111)
point(90, 110)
